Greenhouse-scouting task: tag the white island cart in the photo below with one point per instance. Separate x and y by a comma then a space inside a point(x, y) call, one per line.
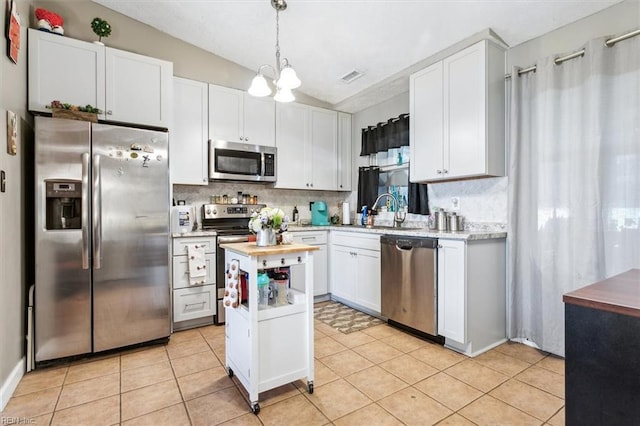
point(270, 346)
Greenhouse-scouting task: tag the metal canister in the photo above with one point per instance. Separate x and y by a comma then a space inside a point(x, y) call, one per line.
point(441, 220)
point(452, 218)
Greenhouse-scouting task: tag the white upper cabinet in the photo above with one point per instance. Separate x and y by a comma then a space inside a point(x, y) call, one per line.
point(189, 132)
point(138, 88)
point(344, 152)
point(457, 116)
point(236, 116)
point(64, 69)
point(307, 147)
point(292, 130)
point(324, 154)
point(127, 87)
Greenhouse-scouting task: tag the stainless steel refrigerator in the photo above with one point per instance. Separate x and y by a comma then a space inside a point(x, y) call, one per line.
point(101, 238)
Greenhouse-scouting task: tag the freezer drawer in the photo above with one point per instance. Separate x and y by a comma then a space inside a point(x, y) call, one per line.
point(194, 302)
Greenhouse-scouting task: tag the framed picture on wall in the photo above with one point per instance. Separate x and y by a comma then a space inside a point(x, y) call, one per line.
point(13, 33)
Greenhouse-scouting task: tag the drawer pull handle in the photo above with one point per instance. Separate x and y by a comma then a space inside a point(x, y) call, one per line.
point(186, 306)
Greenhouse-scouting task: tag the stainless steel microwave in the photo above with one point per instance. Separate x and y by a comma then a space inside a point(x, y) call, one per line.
point(240, 161)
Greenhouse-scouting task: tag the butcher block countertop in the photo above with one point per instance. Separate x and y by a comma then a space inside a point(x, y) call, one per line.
point(251, 249)
point(619, 294)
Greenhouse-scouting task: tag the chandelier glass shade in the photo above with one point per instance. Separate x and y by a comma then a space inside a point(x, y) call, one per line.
point(285, 76)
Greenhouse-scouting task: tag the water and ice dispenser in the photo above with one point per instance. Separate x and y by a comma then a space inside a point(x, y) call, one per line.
point(63, 204)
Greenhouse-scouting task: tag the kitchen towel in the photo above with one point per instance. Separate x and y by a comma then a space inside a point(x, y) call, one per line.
point(232, 291)
point(197, 264)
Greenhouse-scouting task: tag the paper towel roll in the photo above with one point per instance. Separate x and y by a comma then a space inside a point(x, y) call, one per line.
point(346, 214)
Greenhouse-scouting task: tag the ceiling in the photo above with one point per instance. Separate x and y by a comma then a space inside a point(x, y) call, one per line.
point(326, 39)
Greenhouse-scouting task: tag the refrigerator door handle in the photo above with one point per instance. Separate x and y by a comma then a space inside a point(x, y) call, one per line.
point(85, 210)
point(97, 214)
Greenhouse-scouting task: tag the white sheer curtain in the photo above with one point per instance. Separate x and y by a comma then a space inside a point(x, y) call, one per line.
point(574, 183)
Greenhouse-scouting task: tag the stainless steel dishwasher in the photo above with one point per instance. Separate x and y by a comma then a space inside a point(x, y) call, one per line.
point(409, 283)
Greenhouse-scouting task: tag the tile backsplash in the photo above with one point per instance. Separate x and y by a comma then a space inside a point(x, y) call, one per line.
point(281, 198)
point(483, 202)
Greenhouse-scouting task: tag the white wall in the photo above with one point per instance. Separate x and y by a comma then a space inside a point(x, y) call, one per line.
point(13, 96)
point(614, 20)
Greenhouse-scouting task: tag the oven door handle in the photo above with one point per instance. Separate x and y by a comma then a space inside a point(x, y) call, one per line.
point(233, 239)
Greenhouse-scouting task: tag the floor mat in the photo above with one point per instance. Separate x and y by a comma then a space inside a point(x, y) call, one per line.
point(343, 318)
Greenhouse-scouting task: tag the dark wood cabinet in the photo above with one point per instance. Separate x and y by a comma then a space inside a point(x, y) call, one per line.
point(602, 352)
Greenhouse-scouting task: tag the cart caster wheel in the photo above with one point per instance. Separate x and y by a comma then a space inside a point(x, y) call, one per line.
point(310, 387)
point(229, 372)
point(255, 408)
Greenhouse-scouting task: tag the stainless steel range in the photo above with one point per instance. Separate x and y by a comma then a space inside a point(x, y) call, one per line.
point(230, 223)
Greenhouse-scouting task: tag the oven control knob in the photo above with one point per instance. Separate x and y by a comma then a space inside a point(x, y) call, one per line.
point(215, 212)
point(208, 212)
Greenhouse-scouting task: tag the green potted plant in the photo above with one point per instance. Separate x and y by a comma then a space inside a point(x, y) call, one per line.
point(101, 28)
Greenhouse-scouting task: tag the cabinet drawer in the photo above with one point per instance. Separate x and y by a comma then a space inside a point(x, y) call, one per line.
point(311, 238)
point(356, 240)
point(181, 270)
point(194, 302)
point(180, 244)
point(276, 261)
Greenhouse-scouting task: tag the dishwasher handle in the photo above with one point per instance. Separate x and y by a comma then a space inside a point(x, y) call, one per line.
point(404, 245)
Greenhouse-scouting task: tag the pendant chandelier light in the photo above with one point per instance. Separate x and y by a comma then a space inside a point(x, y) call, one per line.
point(285, 76)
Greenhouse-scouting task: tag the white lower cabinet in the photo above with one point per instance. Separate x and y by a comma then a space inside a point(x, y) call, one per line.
point(355, 270)
point(472, 294)
point(320, 262)
point(193, 302)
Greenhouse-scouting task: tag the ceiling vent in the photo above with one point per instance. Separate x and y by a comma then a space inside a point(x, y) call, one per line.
point(351, 76)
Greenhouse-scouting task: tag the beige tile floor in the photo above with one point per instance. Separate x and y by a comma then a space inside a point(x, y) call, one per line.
point(378, 376)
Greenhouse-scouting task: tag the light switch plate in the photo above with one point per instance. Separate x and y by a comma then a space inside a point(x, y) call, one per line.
point(455, 204)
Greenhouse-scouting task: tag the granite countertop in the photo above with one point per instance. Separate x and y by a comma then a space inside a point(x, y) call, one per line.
point(198, 233)
point(619, 294)
point(418, 232)
point(413, 231)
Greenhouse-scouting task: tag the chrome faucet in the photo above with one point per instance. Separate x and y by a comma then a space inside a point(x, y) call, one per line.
point(398, 216)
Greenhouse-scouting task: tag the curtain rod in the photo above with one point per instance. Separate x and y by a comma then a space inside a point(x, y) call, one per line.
point(579, 53)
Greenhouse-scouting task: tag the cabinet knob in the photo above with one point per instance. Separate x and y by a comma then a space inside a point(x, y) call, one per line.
point(299, 259)
point(307, 185)
point(282, 262)
point(246, 138)
point(439, 246)
point(264, 263)
point(340, 186)
point(311, 185)
point(241, 138)
point(439, 172)
point(109, 112)
point(445, 171)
